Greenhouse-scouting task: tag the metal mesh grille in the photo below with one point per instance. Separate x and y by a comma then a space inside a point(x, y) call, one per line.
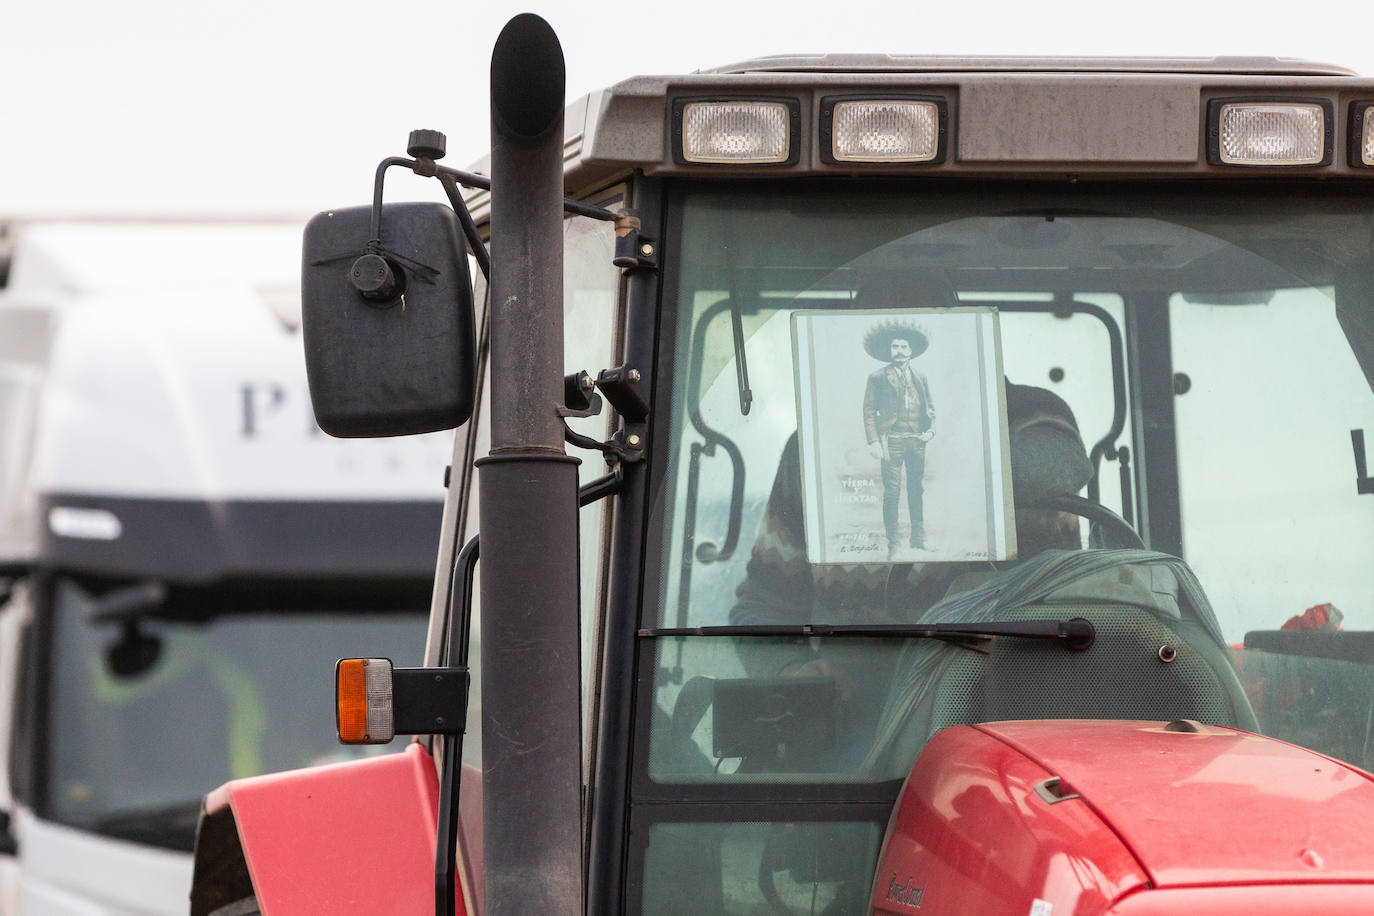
point(1120, 677)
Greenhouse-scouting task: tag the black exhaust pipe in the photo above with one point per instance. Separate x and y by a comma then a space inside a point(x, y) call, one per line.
point(531, 684)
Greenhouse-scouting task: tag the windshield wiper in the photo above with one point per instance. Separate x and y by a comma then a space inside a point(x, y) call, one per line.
point(127, 604)
point(167, 826)
point(1075, 634)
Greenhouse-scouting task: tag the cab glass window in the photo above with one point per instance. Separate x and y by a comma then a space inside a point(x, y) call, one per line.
point(1180, 380)
point(1209, 356)
point(591, 286)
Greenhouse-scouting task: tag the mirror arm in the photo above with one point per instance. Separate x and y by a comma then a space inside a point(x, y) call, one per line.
point(450, 179)
point(475, 244)
point(483, 183)
point(9, 846)
point(374, 233)
point(427, 146)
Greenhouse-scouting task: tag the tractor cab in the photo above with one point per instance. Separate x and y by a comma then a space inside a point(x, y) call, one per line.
point(900, 483)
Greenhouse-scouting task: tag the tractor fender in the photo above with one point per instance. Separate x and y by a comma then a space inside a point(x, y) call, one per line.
point(1106, 817)
point(354, 837)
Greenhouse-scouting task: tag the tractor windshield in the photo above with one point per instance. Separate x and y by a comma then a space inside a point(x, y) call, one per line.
point(1146, 408)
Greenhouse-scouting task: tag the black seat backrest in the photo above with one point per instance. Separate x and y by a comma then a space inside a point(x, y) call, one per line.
point(1124, 675)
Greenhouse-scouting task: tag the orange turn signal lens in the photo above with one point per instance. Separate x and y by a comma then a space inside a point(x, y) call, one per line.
point(363, 701)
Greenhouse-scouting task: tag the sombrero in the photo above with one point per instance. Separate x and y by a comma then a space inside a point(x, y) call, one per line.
point(878, 340)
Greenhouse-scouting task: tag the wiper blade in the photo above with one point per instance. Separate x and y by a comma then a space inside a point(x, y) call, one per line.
point(128, 604)
point(169, 826)
point(1075, 634)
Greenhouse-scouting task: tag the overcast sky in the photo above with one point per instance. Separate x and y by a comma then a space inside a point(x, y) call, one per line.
point(176, 107)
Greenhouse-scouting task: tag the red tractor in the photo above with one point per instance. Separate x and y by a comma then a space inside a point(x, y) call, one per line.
point(903, 484)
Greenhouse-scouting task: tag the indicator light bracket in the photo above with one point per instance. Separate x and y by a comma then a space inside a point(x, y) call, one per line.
point(430, 701)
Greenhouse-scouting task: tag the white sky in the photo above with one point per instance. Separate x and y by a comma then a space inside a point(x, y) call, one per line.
point(175, 107)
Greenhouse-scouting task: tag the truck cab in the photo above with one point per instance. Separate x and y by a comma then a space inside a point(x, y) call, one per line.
point(1098, 583)
point(182, 549)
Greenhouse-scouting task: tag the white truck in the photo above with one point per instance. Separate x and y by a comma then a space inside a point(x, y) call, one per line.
point(177, 540)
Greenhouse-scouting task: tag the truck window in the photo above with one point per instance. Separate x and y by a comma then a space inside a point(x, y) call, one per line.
point(134, 742)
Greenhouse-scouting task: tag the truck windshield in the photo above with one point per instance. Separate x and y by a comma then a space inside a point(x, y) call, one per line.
point(147, 715)
point(1196, 359)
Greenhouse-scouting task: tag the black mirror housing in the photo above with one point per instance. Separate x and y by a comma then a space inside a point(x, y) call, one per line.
point(389, 348)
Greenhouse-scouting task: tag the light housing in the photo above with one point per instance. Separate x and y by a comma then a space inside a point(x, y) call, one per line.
point(1361, 135)
point(374, 702)
point(363, 701)
point(752, 131)
point(1274, 132)
point(889, 129)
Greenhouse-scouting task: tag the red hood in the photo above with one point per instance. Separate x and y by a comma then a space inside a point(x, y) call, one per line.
point(1218, 806)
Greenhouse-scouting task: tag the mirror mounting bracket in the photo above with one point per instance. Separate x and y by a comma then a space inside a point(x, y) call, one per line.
point(426, 147)
point(621, 387)
point(633, 251)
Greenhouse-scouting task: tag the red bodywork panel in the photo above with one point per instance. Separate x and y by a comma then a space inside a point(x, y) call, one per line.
point(1251, 900)
point(356, 837)
point(1161, 816)
point(970, 835)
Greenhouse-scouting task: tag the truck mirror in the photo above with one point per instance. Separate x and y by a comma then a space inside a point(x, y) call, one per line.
point(387, 321)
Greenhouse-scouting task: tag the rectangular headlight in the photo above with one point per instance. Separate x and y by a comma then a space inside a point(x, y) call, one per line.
point(736, 131)
point(1271, 132)
point(1361, 134)
point(892, 129)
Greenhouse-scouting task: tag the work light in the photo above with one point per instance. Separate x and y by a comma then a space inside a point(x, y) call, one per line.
point(736, 131)
point(903, 129)
point(1361, 134)
point(1264, 133)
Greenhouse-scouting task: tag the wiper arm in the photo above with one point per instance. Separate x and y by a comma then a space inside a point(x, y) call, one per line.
point(171, 826)
point(128, 604)
point(1075, 634)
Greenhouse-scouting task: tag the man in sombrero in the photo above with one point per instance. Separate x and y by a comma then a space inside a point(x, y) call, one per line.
point(899, 419)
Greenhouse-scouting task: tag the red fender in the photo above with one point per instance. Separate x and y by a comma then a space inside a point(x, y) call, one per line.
point(1016, 818)
point(355, 837)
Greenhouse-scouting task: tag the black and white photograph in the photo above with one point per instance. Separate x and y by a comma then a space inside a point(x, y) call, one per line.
point(903, 436)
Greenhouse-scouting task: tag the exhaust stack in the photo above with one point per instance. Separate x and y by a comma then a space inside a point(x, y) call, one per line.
point(531, 684)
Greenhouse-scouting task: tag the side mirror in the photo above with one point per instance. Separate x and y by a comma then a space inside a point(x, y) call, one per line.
point(9, 846)
point(388, 321)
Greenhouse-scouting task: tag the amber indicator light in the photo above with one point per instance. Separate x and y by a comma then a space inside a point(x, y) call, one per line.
point(350, 688)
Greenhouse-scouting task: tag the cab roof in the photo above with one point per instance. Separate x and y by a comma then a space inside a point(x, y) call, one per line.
point(1044, 118)
point(942, 63)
